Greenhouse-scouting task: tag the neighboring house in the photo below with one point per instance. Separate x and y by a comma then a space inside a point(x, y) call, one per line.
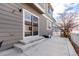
point(22, 20)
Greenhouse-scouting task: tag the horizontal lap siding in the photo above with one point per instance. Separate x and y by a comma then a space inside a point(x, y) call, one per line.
point(11, 24)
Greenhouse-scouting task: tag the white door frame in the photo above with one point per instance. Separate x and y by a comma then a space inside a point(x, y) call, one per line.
point(24, 22)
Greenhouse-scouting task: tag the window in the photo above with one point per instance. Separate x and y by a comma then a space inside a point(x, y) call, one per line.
point(50, 11)
point(49, 25)
point(30, 24)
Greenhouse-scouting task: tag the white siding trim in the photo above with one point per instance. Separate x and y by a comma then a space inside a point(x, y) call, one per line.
point(47, 17)
point(38, 6)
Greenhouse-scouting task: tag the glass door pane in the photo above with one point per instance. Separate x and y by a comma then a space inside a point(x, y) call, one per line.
point(28, 24)
point(35, 25)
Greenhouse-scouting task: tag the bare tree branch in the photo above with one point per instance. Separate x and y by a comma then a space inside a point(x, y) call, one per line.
point(68, 22)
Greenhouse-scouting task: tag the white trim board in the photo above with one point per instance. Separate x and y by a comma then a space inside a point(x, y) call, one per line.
point(47, 17)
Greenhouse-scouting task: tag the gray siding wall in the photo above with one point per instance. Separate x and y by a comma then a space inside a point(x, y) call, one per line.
point(42, 22)
point(11, 24)
point(43, 26)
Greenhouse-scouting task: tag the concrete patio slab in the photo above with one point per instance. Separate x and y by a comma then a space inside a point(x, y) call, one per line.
point(56, 46)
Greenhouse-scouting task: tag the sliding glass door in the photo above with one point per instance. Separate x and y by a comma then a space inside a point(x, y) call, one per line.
point(30, 24)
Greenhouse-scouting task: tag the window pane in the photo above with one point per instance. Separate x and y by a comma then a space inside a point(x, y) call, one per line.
point(28, 24)
point(49, 25)
point(35, 25)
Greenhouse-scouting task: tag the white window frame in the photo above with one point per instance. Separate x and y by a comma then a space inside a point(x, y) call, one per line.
point(48, 21)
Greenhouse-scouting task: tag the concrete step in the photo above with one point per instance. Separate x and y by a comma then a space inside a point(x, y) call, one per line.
point(22, 47)
point(31, 39)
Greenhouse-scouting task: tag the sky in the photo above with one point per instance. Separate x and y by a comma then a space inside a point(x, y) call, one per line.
point(60, 7)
